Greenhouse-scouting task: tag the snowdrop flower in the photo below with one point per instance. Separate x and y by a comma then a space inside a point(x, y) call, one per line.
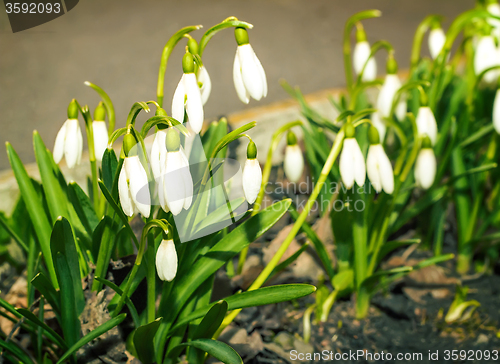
point(252, 174)
point(378, 123)
point(496, 112)
point(133, 188)
point(188, 96)
point(166, 260)
point(437, 38)
point(494, 9)
point(361, 55)
point(205, 84)
point(486, 56)
point(388, 91)
point(352, 162)
point(378, 165)
point(426, 123)
point(177, 181)
point(293, 163)
point(248, 74)
point(425, 166)
point(100, 131)
point(69, 140)
point(158, 149)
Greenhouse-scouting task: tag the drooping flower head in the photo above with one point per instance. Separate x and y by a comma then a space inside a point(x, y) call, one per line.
point(100, 131)
point(352, 162)
point(378, 165)
point(166, 258)
point(69, 140)
point(361, 57)
point(202, 76)
point(426, 123)
point(252, 174)
point(158, 148)
point(187, 96)
point(293, 163)
point(388, 91)
point(437, 38)
point(133, 187)
point(248, 74)
point(486, 56)
point(177, 180)
point(425, 165)
point(494, 9)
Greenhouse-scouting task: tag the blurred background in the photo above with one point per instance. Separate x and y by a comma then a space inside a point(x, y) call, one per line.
point(117, 44)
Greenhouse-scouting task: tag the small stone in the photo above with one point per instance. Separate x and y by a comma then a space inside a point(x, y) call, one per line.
point(482, 339)
point(285, 340)
point(302, 347)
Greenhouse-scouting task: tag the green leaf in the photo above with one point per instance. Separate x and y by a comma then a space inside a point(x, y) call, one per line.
point(92, 335)
point(283, 265)
point(344, 280)
point(83, 207)
point(144, 341)
point(128, 301)
point(43, 285)
point(370, 282)
point(16, 351)
point(12, 233)
point(393, 245)
point(56, 198)
point(62, 241)
point(35, 209)
point(109, 168)
point(217, 349)
point(212, 320)
point(258, 297)
point(30, 316)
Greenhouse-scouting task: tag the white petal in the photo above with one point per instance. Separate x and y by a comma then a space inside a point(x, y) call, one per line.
point(379, 124)
point(124, 194)
point(486, 56)
point(370, 73)
point(386, 171)
point(361, 55)
point(250, 72)
point(359, 163)
point(157, 149)
point(72, 144)
point(206, 84)
point(241, 91)
point(401, 108)
point(79, 145)
point(293, 163)
point(496, 112)
point(346, 164)
point(59, 143)
point(262, 74)
point(426, 123)
point(166, 260)
point(372, 167)
point(251, 179)
point(437, 38)
point(173, 182)
point(100, 138)
point(188, 181)
point(384, 102)
point(194, 105)
point(160, 182)
point(178, 101)
point(425, 168)
point(138, 184)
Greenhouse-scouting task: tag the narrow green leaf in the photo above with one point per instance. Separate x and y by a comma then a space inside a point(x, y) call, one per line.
point(258, 297)
point(109, 168)
point(83, 207)
point(92, 335)
point(393, 245)
point(12, 233)
point(217, 349)
point(30, 316)
point(35, 209)
point(144, 341)
point(283, 265)
point(43, 285)
point(16, 351)
point(212, 320)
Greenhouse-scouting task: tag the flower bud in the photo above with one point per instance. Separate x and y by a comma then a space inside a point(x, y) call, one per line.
point(100, 131)
point(425, 165)
point(166, 260)
point(252, 174)
point(379, 168)
point(437, 38)
point(69, 139)
point(426, 123)
point(293, 163)
point(352, 162)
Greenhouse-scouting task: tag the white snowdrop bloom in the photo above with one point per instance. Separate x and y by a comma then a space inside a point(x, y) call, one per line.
point(100, 132)
point(379, 169)
point(437, 38)
point(248, 74)
point(252, 174)
point(425, 168)
point(166, 260)
point(486, 56)
point(352, 162)
point(426, 123)
point(386, 96)
point(205, 84)
point(293, 163)
point(361, 55)
point(494, 9)
point(496, 112)
point(378, 123)
point(188, 96)
point(177, 179)
point(133, 187)
point(69, 140)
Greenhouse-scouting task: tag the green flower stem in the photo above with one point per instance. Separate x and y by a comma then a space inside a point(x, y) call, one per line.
point(151, 279)
point(162, 224)
point(278, 134)
point(381, 44)
point(165, 55)
point(419, 37)
point(351, 22)
point(108, 104)
point(263, 276)
point(226, 23)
